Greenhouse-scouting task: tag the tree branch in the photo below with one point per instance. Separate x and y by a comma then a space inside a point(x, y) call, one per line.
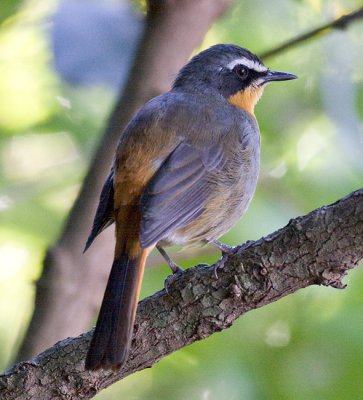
point(339, 23)
point(318, 248)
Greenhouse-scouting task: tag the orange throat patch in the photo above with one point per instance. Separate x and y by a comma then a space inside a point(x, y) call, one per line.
point(247, 99)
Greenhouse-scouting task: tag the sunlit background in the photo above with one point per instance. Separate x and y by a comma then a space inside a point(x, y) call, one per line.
point(61, 65)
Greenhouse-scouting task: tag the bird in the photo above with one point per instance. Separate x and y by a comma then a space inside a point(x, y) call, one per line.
point(185, 171)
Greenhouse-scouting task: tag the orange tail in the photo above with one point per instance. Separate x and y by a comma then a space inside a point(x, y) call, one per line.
point(111, 340)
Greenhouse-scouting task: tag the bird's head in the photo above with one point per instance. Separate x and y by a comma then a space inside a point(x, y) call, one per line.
point(235, 73)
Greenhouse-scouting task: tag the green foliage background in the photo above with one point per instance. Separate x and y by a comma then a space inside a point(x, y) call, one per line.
point(306, 346)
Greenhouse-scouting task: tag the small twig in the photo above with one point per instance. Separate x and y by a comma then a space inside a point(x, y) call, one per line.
point(339, 23)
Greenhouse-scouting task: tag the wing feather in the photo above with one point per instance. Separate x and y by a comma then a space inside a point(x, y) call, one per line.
point(178, 192)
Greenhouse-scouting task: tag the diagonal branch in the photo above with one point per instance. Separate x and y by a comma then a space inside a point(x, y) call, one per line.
point(339, 23)
point(318, 248)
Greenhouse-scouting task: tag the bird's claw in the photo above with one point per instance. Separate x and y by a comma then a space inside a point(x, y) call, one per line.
point(224, 248)
point(218, 265)
point(226, 251)
point(172, 278)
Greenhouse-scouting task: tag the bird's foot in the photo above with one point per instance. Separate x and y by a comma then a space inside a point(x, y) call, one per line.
point(226, 251)
point(173, 266)
point(219, 265)
point(175, 269)
point(224, 248)
point(171, 279)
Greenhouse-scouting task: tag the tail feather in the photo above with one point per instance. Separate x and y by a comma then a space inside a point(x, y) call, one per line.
point(111, 340)
point(104, 215)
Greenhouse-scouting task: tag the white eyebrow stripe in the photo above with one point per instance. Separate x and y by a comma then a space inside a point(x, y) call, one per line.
point(256, 66)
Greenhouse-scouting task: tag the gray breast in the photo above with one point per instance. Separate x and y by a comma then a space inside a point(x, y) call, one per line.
point(235, 184)
point(241, 175)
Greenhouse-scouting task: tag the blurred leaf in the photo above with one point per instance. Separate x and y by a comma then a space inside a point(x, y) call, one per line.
point(9, 8)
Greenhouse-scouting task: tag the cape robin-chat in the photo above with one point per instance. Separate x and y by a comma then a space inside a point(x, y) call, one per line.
point(185, 171)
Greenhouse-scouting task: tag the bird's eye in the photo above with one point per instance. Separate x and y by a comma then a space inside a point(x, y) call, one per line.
point(241, 71)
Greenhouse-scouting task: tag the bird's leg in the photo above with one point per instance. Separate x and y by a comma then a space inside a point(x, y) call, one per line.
point(173, 266)
point(226, 250)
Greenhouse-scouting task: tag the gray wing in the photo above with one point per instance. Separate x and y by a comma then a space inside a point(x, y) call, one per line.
point(178, 192)
point(104, 215)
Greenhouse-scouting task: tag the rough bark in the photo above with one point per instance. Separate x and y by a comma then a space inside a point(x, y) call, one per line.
point(71, 286)
point(318, 248)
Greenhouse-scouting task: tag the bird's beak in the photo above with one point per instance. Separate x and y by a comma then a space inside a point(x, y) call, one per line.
point(277, 76)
